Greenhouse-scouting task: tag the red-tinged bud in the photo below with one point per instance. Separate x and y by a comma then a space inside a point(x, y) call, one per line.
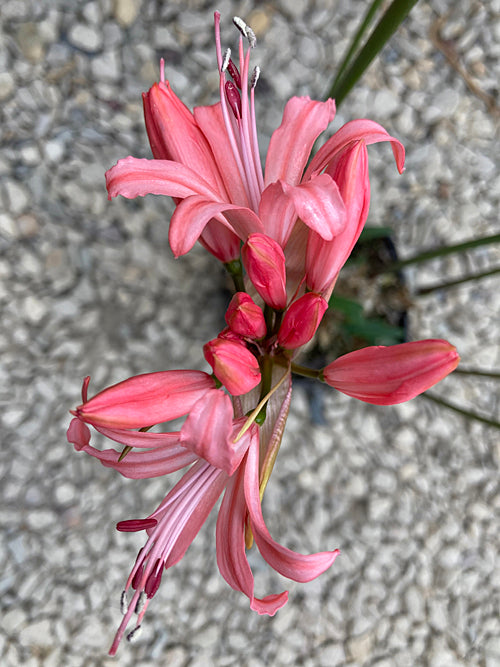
point(389, 375)
point(301, 320)
point(227, 334)
point(264, 262)
point(245, 317)
point(233, 364)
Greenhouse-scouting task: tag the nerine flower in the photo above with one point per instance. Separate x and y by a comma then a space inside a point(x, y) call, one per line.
point(223, 457)
point(298, 219)
point(209, 162)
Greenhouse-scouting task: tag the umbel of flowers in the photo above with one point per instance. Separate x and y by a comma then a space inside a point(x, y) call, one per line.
point(283, 234)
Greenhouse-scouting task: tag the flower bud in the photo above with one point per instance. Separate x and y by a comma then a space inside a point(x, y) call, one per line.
point(264, 262)
point(301, 320)
point(244, 317)
point(233, 364)
point(388, 375)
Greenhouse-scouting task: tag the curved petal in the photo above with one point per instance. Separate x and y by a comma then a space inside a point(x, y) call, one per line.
point(192, 215)
point(140, 439)
point(211, 122)
point(174, 135)
point(208, 432)
point(298, 567)
point(220, 241)
point(319, 205)
point(231, 555)
point(277, 212)
point(291, 144)
point(135, 177)
point(367, 130)
point(143, 465)
point(78, 433)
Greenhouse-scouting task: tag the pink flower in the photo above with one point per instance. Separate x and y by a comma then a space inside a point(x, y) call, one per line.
point(264, 262)
point(209, 162)
point(233, 364)
point(210, 439)
point(244, 317)
point(389, 375)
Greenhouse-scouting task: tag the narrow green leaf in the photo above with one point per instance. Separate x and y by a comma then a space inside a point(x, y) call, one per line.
point(385, 28)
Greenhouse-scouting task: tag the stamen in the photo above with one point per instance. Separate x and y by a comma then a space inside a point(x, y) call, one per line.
point(140, 603)
point(154, 580)
point(245, 30)
point(136, 580)
point(123, 602)
point(226, 60)
point(133, 525)
point(233, 98)
point(135, 634)
point(255, 76)
point(234, 72)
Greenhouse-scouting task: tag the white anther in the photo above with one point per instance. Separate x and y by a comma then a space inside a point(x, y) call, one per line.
point(225, 62)
point(252, 39)
point(255, 77)
point(135, 634)
point(140, 603)
point(241, 25)
point(123, 602)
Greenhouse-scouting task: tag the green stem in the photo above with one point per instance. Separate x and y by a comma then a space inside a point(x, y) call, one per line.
point(306, 372)
point(441, 252)
point(269, 319)
point(385, 28)
point(235, 270)
point(356, 41)
point(475, 276)
point(266, 371)
point(479, 373)
point(462, 411)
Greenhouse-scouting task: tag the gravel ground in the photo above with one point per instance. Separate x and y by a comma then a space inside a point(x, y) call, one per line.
point(410, 494)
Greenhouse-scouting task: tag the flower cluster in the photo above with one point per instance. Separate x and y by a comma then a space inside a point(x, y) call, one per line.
point(283, 233)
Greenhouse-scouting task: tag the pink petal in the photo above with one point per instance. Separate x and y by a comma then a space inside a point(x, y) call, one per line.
point(174, 135)
point(319, 205)
point(140, 439)
point(298, 567)
point(144, 465)
point(135, 177)
point(324, 259)
point(220, 241)
point(192, 215)
point(78, 434)
point(277, 212)
point(362, 129)
point(143, 400)
point(231, 555)
point(211, 123)
point(291, 144)
point(208, 432)
point(388, 375)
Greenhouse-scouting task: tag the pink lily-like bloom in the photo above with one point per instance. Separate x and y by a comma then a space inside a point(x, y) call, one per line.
point(209, 162)
point(394, 374)
point(223, 457)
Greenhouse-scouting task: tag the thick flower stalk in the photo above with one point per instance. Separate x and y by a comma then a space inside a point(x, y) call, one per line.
point(283, 233)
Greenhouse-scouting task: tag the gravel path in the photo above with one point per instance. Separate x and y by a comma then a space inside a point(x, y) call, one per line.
point(410, 494)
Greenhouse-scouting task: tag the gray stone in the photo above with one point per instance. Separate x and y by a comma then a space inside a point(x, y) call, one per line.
point(85, 37)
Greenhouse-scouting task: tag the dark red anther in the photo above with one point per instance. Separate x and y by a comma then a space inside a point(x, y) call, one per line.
point(133, 525)
point(233, 98)
point(154, 580)
point(136, 579)
point(234, 72)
